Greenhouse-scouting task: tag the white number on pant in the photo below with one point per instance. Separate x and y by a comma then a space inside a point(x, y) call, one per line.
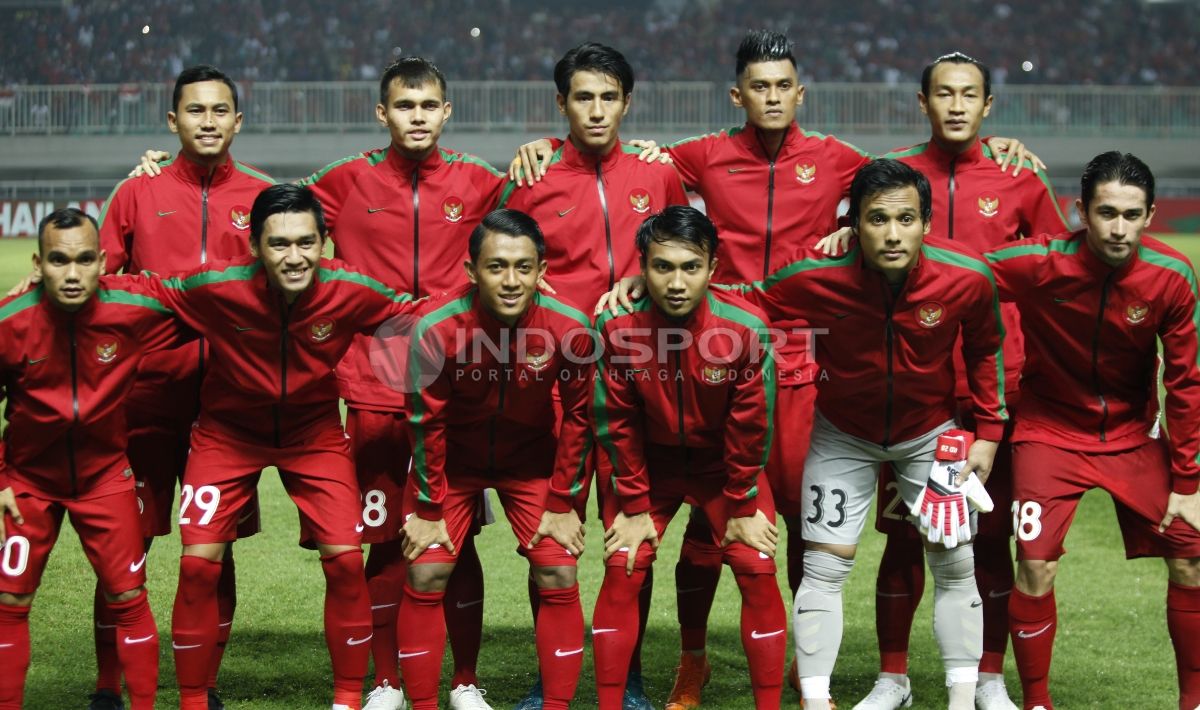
point(893, 511)
point(16, 556)
point(206, 498)
point(374, 508)
point(1027, 519)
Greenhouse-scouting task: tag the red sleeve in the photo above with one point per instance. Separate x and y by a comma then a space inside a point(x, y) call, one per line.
point(676, 194)
point(159, 328)
point(783, 295)
point(117, 218)
point(572, 475)
point(1181, 378)
point(4, 482)
point(427, 422)
point(1015, 268)
point(617, 418)
point(982, 339)
point(848, 160)
point(331, 184)
point(690, 156)
point(174, 293)
point(750, 425)
point(1042, 214)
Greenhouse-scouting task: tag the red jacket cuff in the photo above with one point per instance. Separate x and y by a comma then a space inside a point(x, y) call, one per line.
point(635, 505)
point(1183, 485)
point(559, 504)
point(989, 431)
point(743, 508)
point(429, 511)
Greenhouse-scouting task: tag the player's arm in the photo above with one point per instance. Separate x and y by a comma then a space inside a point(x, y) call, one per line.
point(1015, 268)
point(332, 184)
point(8, 499)
point(748, 432)
point(427, 421)
point(617, 419)
point(1041, 213)
point(572, 475)
point(1010, 151)
point(117, 219)
point(982, 349)
point(1181, 378)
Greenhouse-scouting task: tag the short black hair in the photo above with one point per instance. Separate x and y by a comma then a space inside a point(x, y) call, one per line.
point(1115, 166)
point(197, 74)
point(957, 58)
point(284, 198)
point(763, 46)
point(678, 223)
point(505, 221)
point(64, 218)
point(412, 73)
point(592, 56)
point(885, 175)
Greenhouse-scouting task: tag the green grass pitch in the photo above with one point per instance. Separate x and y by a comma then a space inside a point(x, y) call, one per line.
point(1112, 646)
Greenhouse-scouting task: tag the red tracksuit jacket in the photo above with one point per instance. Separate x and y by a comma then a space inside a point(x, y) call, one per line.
point(703, 408)
point(976, 204)
point(768, 208)
point(887, 374)
point(589, 209)
point(170, 224)
point(65, 376)
point(406, 224)
point(491, 413)
point(271, 377)
point(1091, 347)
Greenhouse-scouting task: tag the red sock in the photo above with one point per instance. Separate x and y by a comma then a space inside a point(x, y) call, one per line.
point(614, 632)
point(108, 666)
point(764, 636)
point(1183, 623)
point(385, 579)
point(795, 558)
point(138, 649)
point(559, 633)
point(464, 613)
point(226, 605)
point(898, 590)
point(696, 576)
point(645, 594)
point(1033, 622)
point(347, 622)
point(14, 655)
point(194, 628)
point(994, 575)
point(421, 629)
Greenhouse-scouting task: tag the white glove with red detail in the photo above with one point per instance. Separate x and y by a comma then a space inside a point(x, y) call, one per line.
point(941, 507)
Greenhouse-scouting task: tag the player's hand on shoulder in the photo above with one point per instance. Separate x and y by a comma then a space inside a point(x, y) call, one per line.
point(1010, 151)
point(25, 284)
point(627, 290)
point(564, 528)
point(651, 152)
point(1182, 506)
point(628, 533)
point(8, 507)
point(754, 530)
point(421, 534)
point(530, 163)
point(148, 165)
point(835, 243)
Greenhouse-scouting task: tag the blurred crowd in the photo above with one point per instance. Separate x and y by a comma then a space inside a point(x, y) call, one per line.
point(1114, 42)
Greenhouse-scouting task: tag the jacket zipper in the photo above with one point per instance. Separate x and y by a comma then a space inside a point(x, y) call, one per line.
point(950, 210)
point(492, 422)
point(612, 269)
point(205, 183)
point(74, 471)
point(890, 334)
point(285, 312)
point(770, 204)
point(683, 447)
point(416, 233)
point(1096, 357)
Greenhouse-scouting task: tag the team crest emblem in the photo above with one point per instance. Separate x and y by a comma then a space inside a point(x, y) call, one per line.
point(452, 209)
point(639, 200)
point(321, 330)
point(537, 360)
point(1136, 312)
point(806, 173)
point(989, 205)
point(240, 217)
point(106, 351)
point(714, 375)
point(931, 314)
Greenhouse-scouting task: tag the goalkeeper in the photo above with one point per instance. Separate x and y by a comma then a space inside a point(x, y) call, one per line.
point(886, 316)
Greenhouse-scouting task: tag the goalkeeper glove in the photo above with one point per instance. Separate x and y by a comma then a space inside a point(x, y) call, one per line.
point(941, 507)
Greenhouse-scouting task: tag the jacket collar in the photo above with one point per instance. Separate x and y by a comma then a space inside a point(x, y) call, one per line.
point(695, 322)
point(197, 174)
point(1093, 263)
point(751, 138)
point(573, 158)
point(941, 156)
point(405, 167)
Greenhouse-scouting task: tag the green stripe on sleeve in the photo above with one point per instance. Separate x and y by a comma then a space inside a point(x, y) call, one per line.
point(326, 274)
point(207, 278)
point(20, 303)
point(131, 299)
